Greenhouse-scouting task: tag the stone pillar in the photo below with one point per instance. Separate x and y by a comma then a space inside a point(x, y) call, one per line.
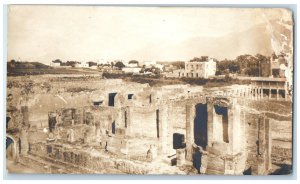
point(268, 144)
point(229, 165)
point(128, 121)
point(180, 154)
point(163, 128)
point(261, 147)
point(190, 116)
point(203, 166)
point(285, 91)
point(234, 130)
point(261, 93)
point(277, 94)
point(71, 136)
point(24, 145)
point(98, 133)
point(210, 111)
point(25, 113)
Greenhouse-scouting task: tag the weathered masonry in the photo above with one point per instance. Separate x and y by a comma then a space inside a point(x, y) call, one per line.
point(212, 131)
point(234, 140)
point(219, 138)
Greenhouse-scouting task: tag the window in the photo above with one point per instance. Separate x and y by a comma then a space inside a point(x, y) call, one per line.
point(130, 96)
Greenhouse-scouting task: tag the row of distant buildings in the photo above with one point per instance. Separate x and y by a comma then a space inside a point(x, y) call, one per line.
point(203, 67)
point(194, 69)
point(76, 64)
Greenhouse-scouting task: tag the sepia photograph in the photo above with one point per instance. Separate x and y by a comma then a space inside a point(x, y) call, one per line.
point(138, 90)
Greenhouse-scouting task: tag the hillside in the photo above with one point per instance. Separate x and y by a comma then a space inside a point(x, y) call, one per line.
point(15, 68)
point(261, 38)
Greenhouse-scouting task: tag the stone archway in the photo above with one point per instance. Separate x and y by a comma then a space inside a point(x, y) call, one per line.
point(11, 148)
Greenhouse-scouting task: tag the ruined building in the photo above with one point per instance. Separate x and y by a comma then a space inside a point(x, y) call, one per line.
point(137, 129)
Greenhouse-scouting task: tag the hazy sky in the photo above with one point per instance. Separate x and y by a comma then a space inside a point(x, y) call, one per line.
point(83, 33)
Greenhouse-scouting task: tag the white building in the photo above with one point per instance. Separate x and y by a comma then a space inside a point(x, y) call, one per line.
point(55, 64)
point(131, 69)
point(198, 69)
point(82, 65)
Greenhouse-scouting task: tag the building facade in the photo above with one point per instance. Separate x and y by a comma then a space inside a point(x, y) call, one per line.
point(196, 69)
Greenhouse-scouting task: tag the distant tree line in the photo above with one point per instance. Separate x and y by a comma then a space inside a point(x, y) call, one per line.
point(201, 59)
point(73, 63)
point(247, 65)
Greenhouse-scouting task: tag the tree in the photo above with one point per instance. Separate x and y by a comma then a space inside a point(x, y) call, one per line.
point(201, 59)
point(179, 64)
point(92, 63)
point(233, 67)
point(57, 61)
point(133, 62)
point(119, 65)
point(258, 65)
point(71, 63)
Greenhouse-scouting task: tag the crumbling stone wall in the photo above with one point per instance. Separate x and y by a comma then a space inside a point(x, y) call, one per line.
point(143, 122)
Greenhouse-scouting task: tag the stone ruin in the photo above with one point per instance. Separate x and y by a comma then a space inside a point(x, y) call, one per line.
point(214, 134)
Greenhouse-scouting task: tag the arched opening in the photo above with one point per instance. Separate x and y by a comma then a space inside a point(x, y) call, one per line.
point(10, 148)
point(200, 125)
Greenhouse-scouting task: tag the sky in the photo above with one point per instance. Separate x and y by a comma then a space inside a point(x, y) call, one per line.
point(91, 33)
